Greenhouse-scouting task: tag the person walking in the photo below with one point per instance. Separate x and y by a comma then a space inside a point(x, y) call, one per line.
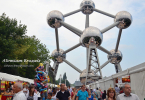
point(117, 90)
point(32, 95)
point(49, 96)
point(69, 89)
point(98, 93)
point(90, 95)
point(111, 94)
point(49, 90)
point(82, 94)
point(19, 94)
point(127, 95)
point(38, 95)
point(104, 95)
point(74, 95)
point(54, 93)
point(121, 90)
point(63, 94)
point(101, 93)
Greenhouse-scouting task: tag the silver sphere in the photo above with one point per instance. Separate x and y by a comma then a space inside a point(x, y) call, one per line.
point(87, 6)
point(115, 57)
point(53, 19)
point(125, 17)
point(90, 77)
point(91, 35)
point(58, 56)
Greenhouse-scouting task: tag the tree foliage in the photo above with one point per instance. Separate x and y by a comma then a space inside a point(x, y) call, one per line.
point(64, 76)
point(16, 45)
point(63, 80)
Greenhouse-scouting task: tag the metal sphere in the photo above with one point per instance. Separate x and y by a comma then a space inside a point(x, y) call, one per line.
point(125, 17)
point(53, 19)
point(90, 78)
point(58, 56)
point(91, 34)
point(115, 57)
point(87, 6)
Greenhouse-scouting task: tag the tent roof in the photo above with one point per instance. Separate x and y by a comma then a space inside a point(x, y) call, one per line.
point(9, 77)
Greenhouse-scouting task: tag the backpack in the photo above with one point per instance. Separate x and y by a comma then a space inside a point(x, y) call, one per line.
point(95, 95)
point(30, 98)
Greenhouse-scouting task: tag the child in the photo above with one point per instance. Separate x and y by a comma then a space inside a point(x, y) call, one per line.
point(49, 96)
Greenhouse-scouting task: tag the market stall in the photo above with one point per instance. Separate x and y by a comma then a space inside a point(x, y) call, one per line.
point(134, 76)
point(6, 80)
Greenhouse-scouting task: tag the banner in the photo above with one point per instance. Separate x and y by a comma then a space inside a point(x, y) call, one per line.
point(119, 80)
point(2, 85)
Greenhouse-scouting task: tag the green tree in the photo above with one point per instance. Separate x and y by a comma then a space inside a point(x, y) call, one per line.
point(35, 51)
point(64, 76)
point(51, 76)
point(10, 36)
point(63, 80)
point(15, 45)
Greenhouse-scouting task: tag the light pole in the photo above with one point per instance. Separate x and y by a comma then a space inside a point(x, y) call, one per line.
point(65, 82)
point(47, 66)
point(60, 79)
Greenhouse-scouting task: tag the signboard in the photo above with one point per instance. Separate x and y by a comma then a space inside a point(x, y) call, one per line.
point(119, 80)
point(2, 85)
point(6, 97)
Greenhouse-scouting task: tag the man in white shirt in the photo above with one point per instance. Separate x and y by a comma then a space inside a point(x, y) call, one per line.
point(25, 90)
point(127, 95)
point(18, 90)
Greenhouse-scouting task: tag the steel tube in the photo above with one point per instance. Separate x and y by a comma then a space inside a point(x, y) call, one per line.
point(105, 13)
point(87, 21)
point(104, 50)
point(109, 27)
point(73, 31)
point(102, 66)
point(119, 69)
point(57, 41)
point(73, 12)
point(71, 27)
point(70, 49)
point(87, 68)
point(118, 40)
point(74, 67)
point(98, 62)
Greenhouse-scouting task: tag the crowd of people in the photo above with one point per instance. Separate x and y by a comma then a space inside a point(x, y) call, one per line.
point(64, 93)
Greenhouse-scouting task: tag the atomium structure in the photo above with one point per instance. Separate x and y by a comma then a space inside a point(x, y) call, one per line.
point(91, 39)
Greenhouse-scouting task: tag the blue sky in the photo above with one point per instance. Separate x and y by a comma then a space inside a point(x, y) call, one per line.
point(132, 44)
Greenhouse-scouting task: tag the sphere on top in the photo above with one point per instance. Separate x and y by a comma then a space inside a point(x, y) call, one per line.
point(115, 57)
point(53, 19)
point(90, 78)
point(87, 6)
point(125, 18)
point(91, 35)
point(58, 56)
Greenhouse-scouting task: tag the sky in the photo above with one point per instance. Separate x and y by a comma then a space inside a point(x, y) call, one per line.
point(132, 44)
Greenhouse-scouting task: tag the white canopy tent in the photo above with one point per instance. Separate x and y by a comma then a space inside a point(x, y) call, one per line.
point(9, 77)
